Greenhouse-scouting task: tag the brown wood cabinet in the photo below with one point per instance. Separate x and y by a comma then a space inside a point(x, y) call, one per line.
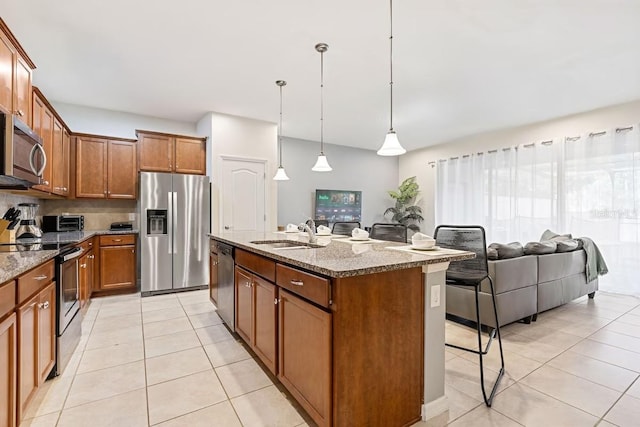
point(86, 263)
point(60, 161)
point(161, 152)
point(256, 315)
point(28, 341)
point(117, 263)
point(213, 272)
point(43, 126)
point(46, 331)
point(15, 76)
point(105, 168)
point(305, 355)
point(8, 370)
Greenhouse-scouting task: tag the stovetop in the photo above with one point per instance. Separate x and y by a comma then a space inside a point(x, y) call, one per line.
point(32, 245)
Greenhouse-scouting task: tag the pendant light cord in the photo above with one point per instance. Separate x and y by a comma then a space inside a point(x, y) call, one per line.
point(322, 103)
point(391, 64)
point(280, 133)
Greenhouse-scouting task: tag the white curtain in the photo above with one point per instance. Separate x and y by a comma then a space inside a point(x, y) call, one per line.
point(587, 186)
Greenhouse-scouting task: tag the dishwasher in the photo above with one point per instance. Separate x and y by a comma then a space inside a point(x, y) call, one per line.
point(226, 288)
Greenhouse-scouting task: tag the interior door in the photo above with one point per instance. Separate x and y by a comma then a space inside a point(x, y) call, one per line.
point(243, 195)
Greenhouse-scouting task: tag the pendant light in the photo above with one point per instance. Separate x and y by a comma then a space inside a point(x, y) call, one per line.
point(391, 145)
point(281, 175)
point(322, 165)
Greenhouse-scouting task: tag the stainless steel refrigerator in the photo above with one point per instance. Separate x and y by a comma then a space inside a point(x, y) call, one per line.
point(174, 213)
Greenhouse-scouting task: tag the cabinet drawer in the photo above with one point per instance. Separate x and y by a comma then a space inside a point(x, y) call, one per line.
point(7, 297)
point(117, 240)
point(260, 265)
point(307, 285)
point(31, 282)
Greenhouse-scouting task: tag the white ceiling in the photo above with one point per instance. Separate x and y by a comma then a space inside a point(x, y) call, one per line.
point(460, 66)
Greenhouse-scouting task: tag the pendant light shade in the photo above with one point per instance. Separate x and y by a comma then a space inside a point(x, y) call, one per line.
point(391, 145)
point(322, 165)
point(280, 175)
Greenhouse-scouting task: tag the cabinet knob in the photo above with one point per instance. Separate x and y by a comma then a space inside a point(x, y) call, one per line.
point(83, 265)
point(20, 112)
point(45, 182)
point(297, 282)
point(44, 305)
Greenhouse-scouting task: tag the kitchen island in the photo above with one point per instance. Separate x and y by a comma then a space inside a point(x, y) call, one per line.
point(344, 325)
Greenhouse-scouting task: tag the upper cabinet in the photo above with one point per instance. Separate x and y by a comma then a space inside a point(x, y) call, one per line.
point(56, 143)
point(15, 76)
point(105, 168)
point(161, 152)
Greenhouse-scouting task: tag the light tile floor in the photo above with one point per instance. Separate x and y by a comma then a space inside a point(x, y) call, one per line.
point(168, 361)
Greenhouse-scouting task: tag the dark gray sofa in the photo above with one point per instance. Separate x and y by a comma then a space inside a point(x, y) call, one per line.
point(524, 286)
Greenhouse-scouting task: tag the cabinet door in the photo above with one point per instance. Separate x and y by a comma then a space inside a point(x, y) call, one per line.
point(213, 278)
point(305, 355)
point(244, 299)
point(6, 74)
point(46, 132)
point(156, 152)
point(265, 321)
point(57, 160)
point(22, 90)
point(117, 267)
point(190, 156)
point(46, 331)
point(28, 372)
point(122, 176)
point(8, 371)
point(66, 163)
point(91, 168)
point(83, 279)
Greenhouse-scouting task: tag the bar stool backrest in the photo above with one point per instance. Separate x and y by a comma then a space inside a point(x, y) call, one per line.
point(391, 232)
point(466, 238)
point(344, 228)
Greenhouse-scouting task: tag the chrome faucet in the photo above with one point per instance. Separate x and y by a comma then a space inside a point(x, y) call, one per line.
point(310, 229)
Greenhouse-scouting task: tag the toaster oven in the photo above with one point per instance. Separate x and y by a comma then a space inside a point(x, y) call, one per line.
point(56, 223)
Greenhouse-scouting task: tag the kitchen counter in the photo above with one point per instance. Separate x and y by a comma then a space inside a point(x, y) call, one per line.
point(13, 264)
point(337, 257)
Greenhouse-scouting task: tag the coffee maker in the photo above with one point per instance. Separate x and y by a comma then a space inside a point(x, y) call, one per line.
point(28, 228)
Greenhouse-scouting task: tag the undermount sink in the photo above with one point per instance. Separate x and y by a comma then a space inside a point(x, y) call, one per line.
point(286, 244)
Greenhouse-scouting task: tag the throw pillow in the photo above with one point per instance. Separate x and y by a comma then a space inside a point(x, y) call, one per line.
point(569, 245)
point(492, 253)
point(506, 251)
point(540, 248)
point(550, 235)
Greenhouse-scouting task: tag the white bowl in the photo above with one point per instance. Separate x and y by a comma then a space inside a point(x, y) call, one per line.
point(423, 243)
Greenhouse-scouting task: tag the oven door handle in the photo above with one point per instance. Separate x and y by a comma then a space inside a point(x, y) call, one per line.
point(75, 253)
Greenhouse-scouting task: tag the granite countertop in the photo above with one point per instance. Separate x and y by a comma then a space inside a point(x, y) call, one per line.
point(13, 264)
point(337, 258)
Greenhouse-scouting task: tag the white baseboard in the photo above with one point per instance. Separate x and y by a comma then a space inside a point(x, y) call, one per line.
point(434, 408)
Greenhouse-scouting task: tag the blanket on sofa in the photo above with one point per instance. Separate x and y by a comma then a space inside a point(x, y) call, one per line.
point(595, 262)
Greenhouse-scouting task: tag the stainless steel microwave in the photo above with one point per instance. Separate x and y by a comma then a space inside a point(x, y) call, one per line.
point(22, 156)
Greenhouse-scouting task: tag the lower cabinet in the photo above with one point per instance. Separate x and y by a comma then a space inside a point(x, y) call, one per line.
point(117, 263)
point(36, 343)
point(85, 279)
point(256, 314)
point(305, 355)
point(8, 371)
point(213, 274)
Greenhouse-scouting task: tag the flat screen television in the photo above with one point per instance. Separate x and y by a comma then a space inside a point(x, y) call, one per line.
point(338, 205)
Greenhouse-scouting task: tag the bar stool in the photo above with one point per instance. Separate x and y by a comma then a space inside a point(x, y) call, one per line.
point(472, 272)
point(344, 227)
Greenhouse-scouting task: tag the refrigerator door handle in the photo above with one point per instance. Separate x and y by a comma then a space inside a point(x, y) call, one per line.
point(174, 219)
point(170, 221)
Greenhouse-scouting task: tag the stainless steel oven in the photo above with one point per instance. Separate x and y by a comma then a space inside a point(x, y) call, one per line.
point(69, 320)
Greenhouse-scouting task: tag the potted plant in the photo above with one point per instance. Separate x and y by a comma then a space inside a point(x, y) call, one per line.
point(405, 211)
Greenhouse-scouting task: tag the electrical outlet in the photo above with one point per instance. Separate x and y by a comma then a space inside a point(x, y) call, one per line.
point(132, 217)
point(435, 296)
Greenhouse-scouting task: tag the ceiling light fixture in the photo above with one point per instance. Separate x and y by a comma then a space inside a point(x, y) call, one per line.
point(281, 175)
point(322, 165)
point(391, 145)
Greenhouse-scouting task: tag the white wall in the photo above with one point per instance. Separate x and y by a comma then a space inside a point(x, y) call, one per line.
point(416, 162)
point(243, 138)
point(98, 121)
point(353, 169)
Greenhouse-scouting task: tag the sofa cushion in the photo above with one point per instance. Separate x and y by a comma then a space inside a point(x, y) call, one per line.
point(510, 274)
point(540, 248)
point(550, 235)
point(505, 251)
point(567, 245)
point(558, 265)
